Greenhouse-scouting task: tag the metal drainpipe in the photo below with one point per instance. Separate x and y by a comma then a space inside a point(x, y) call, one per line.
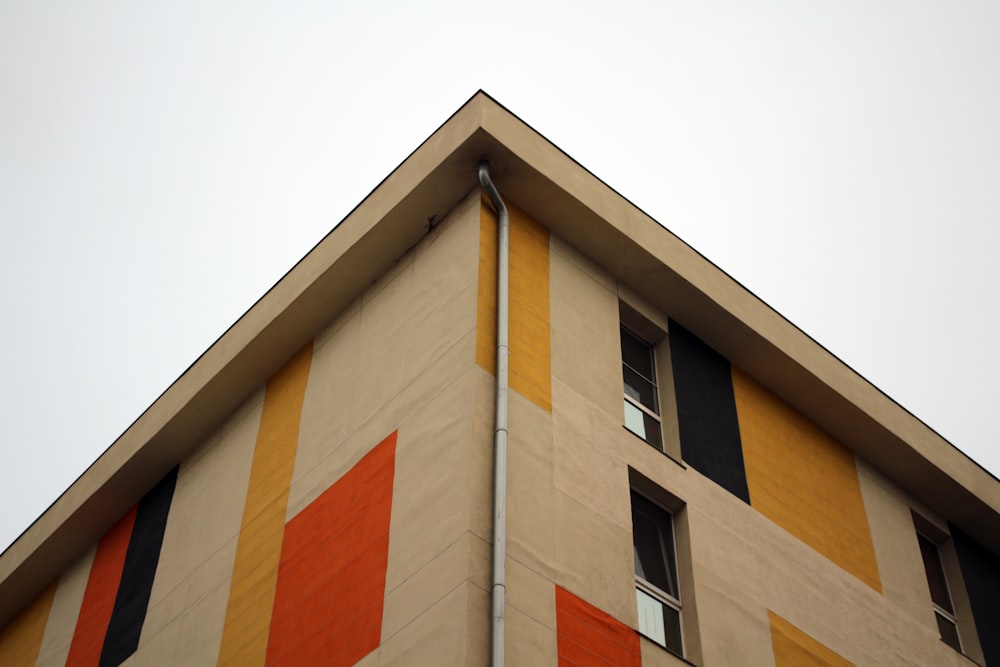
point(499, 587)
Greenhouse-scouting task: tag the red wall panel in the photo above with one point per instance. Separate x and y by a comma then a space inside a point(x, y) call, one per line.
point(99, 596)
point(331, 578)
point(588, 636)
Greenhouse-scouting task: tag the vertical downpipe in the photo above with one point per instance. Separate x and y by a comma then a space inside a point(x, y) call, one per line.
point(499, 587)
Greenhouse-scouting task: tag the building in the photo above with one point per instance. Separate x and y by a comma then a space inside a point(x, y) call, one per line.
point(317, 487)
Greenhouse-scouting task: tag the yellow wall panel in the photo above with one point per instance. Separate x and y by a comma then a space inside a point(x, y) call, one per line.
point(21, 638)
point(530, 358)
point(803, 479)
point(258, 551)
point(794, 648)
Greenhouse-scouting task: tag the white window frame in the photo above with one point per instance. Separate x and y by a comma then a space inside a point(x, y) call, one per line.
point(652, 381)
point(938, 610)
point(656, 592)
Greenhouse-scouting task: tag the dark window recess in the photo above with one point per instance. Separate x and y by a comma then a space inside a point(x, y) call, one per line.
point(938, 584)
point(642, 406)
point(981, 574)
point(657, 594)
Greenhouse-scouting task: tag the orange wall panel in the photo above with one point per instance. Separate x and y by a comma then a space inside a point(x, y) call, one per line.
point(21, 638)
point(586, 636)
point(258, 551)
point(99, 596)
point(331, 580)
point(803, 479)
point(530, 346)
point(794, 648)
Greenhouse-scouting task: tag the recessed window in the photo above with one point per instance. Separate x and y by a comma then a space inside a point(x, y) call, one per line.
point(657, 593)
point(944, 610)
point(642, 411)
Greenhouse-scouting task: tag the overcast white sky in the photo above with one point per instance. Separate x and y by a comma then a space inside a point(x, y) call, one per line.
point(163, 164)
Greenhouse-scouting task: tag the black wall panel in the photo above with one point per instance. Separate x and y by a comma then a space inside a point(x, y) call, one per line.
point(141, 558)
point(981, 572)
point(706, 412)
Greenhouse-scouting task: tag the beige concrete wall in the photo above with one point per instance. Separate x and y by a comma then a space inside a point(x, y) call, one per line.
point(740, 565)
point(187, 605)
point(64, 612)
point(402, 356)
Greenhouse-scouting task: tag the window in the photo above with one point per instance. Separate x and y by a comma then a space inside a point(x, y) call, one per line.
point(642, 412)
point(657, 593)
point(944, 611)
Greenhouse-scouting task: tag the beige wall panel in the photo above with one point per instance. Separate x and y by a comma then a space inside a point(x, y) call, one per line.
point(481, 492)
point(530, 532)
point(160, 650)
point(337, 459)
point(430, 508)
point(895, 540)
point(444, 287)
point(477, 628)
point(735, 631)
point(480, 561)
point(530, 593)
point(583, 263)
point(371, 660)
point(588, 467)
point(197, 607)
point(669, 474)
point(204, 520)
point(436, 637)
point(200, 625)
point(654, 655)
point(585, 337)
point(528, 642)
point(594, 559)
point(426, 586)
point(328, 409)
point(744, 560)
point(385, 312)
point(416, 323)
point(64, 612)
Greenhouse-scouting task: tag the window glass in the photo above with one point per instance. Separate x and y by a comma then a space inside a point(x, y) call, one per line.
point(653, 536)
point(657, 595)
point(935, 574)
point(642, 424)
point(637, 355)
point(642, 408)
point(949, 631)
point(640, 389)
point(944, 612)
point(659, 622)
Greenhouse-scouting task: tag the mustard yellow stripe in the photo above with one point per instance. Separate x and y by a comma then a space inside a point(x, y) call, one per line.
point(530, 346)
point(255, 571)
point(794, 648)
point(803, 479)
point(21, 638)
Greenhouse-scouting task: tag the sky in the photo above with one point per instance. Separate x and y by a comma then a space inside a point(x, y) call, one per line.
point(163, 164)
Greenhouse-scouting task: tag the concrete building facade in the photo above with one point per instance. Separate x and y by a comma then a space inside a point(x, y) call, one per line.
point(691, 479)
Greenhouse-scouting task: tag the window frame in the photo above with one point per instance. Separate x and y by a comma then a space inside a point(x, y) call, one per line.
point(935, 530)
point(652, 590)
point(949, 616)
point(659, 444)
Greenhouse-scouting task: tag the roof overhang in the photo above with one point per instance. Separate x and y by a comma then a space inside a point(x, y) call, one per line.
point(584, 211)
